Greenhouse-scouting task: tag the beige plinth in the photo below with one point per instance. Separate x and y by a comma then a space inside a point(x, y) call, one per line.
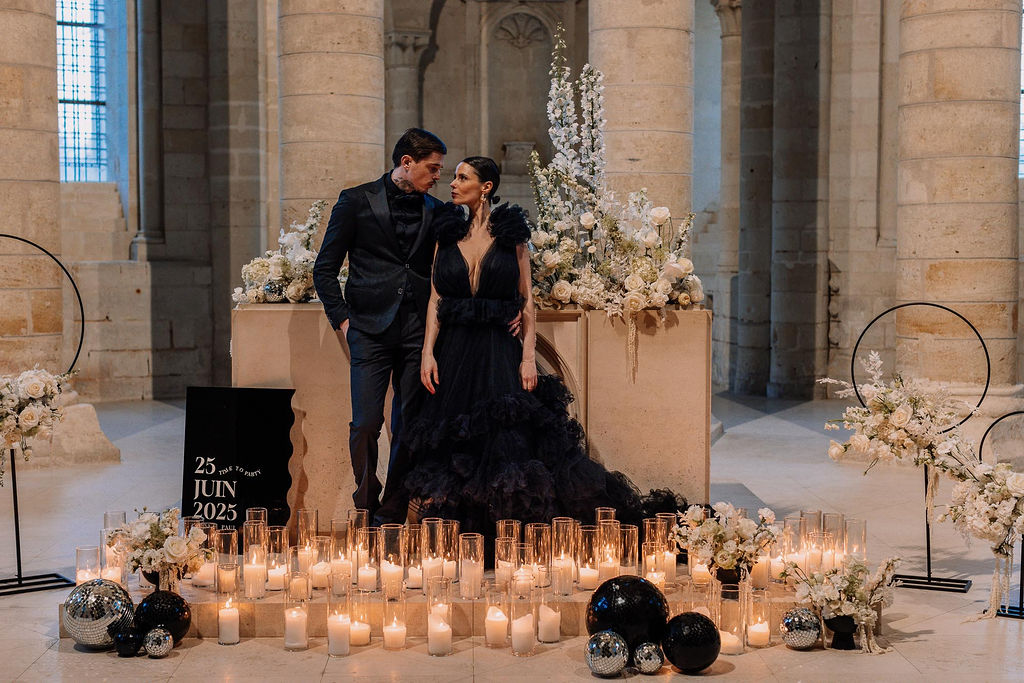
point(656, 430)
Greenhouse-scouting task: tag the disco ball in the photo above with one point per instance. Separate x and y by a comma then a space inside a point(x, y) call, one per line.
point(127, 642)
point(93, 608)
point(649, 658)
point(158, 643)
point(274, 292)
point(607, 653)
point(167, 609)
point(800, 628)
point(632, 607)
point(692, 642)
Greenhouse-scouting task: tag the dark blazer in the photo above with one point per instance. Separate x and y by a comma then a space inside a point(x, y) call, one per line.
point(379, 273)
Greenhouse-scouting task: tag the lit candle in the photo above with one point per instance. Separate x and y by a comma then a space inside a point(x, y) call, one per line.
point(523, 637)
point(432, 566)
point(360, 633)
point(305, 558)
point(657, 578)
point(588, 578)
point(608, 569)
point(205, 576)
point(549, 625)
point(731, 644)
point(759, 635)
point(228, 581)
point(670, 565)
point(255, 577)
point(449, 569)
point(275, 578)
point(342, 568)
point(394, 635)
point(759, 575)
point(320, 573)
point(561, 579)
point(112, 574)
point(439, 635)
point(83, 575)
point(227, 625)
point(522, 582)
point(471, 577)
point(777, 567)
point(295, 628)
point(367, 578)
point(813, 559)
point(338, 634)
point(502, 572)
point(415, 579)
point(391, 575)
point(495, 626)
point(828, 561)
point(111, 554)
point(700, 574)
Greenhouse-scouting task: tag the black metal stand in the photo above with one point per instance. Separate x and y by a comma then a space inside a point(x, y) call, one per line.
point(36, 582)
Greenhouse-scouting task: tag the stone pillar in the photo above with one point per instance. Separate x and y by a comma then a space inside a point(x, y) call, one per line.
point(645, 48)
point(31, 315)
point(749, 373)
point(404, 47)
point(799, 317)
point(331, 99)
point(957, 204)
point(724, 323)
point(149, 80)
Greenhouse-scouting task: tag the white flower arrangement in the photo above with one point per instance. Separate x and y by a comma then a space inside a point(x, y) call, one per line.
point(850, 590)
point(588, 248)
point(151, 543)
point(725, 540)
point(285, 274)
point(29, 407)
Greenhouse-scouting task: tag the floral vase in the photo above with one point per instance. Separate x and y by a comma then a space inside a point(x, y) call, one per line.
point(734, 575)
point(164, 579)
point(843, 627)
point(164, 606)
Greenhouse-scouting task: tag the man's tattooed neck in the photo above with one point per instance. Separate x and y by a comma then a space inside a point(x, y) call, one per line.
point(403, 184)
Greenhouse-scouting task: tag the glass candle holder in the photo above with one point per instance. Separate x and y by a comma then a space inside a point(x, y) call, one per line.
point(257, 514)
point(115, 518)
point(509, 528)
point(654, 531)
point(113, 558)
point(471, 566)
point(391, 559)
point(732, 617)
point(187, 523)
point(432, 549)
point(87, 563)
point(298, 580)
point(603, 513)
point(505, 559)
point(450, 529)
point(563, 554)
point(367, 552)
point(523, 625)
point(701, 597)
point(653, 558)
point(816, 545)
point(609, 539)
point(524, 577)
point(588, 558)
point(254, 572)
point(835, 523)
point(360, 618)
point(227, 578)
point(225, 545)
point(496, 616)
point(793, 540)
point(538, 536)
point(206, 575)
point(358, 517)
point(439, 616)
point(296, 614)
point(549, 618)
point(629, 549)
point(339, 621)
point(812, 522)
point(341, 558)
point(254, 533)
point(759, 629)
point(413, 556)
point(320, 569)
point(228, 619)
point(681, 600)
point(277, 558)
point(306, 523)
point(394, 622)
point(700, 573)
point(760, 573)
point(856, 537)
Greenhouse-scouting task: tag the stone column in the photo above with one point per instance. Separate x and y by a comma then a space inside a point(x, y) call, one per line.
point(31, 315)
point(149, 99)
point(645, 48)
point(749, 372)
point(957, 204)
point(404, 47)
point(724, 323)
point(331, 99)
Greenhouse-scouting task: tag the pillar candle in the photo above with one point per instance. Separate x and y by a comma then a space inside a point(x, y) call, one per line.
point(295, 628)
point(495, 626)
point(700, 574)
point(449, 569)
point(828, 560)
point(205, 576)
point(111, 555)
point(415, 579)
point(502, 572)
point(394, 635)
point(367, 578)
point(759, 575)
point(227, 625)
point(670, 565)
point(778, 564)
point(471, 577)
point(657, 578)
point(608, 569)
point(320, 574)
point(83, 575)
point(561, 579)
point(338, 634)
point(549, 625)
point(731, 644)
point(228, 582)
point(112, 574)
point(439, 635)
point(758, 635)
point(275, 578)
point(359, 633)
point(588, 578)
point(432, 566)
point(523, 637)
point(305, 558)
point(255, 578)
point(342, 568)
point(391, 576)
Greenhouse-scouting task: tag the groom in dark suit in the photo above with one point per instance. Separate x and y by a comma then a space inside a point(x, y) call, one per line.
point(384, 227)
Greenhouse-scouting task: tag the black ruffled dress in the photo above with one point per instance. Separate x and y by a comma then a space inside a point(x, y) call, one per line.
point(484, 448)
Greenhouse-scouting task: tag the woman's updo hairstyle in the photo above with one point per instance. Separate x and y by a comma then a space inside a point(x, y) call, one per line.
point(486, 171)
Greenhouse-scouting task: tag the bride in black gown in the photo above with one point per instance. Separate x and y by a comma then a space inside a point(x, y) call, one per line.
point(494, 440)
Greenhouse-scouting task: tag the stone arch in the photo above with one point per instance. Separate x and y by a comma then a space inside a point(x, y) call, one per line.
point(550, 362)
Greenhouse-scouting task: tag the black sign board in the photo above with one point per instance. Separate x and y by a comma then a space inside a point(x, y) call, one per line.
point(237, 447)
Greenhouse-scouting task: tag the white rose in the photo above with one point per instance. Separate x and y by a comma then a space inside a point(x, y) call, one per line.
point(254, 295)
point(685, 265)
point(539, 237)
point(33, 386)
point(295, 291)
point(651, 239)
point(697, 295)
point(683, 299)
point(591, 249)
point(867, 392)
point(276, 271)
point(860, 443)
point(176, 549)
point(30, 417)
point(634, 302)
point(551, 259)
point(634, 282)
point(1015, 484)
point(901, 416)
point(562, 291)
point(561, 226)
point(588, 220)
point(662, 286)
point(660, 215)
point(835, 449)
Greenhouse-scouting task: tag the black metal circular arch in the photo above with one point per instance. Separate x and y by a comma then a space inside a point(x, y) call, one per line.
point(984, 347)
point(981, 445)
point(74, 285)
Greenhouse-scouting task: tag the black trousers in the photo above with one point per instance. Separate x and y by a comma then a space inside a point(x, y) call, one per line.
point(377, 359)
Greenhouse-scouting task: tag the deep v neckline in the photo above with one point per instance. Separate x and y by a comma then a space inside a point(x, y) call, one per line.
point(480, 265)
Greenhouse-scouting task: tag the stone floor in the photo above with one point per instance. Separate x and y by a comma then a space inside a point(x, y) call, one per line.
point(772, 452)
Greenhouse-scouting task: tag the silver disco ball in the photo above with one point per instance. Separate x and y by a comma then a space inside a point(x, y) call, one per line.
point(648, 658)
point(274, 292)
point(95, 610)
point(158, 642)
point(800, 628)
point(607, 653)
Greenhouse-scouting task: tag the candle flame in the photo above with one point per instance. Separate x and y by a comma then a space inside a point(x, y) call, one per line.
point(227, 605)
